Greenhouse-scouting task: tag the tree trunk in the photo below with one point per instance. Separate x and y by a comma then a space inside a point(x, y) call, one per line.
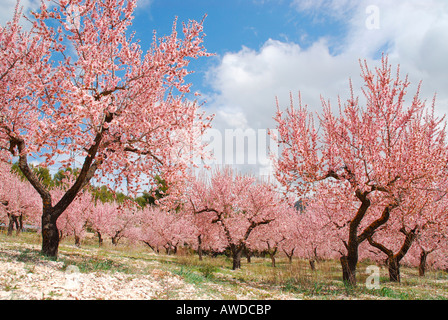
point(200, 247)
point(348, 264)
point(349, 261)
point(168, 248)
point(11, 224)
point(422, 265)
point(236, 255)
point(289, 254)
point(20, 226)
point(393, 260)
point(17, 221)
point(313, 264)
point(394, 269)
point(272, 260)
point(77, 241)
point(116, 238)
point(50, 235)
point(100, 239)
point(272, 253)
point(248, 254)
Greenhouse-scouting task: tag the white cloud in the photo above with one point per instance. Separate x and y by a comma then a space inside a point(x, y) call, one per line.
point(7, 8)
point(248, 82)
point(413, 33)
point(144, 4)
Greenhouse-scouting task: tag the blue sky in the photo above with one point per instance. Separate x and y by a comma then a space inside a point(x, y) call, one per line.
point(268, 49)
point(234, 24)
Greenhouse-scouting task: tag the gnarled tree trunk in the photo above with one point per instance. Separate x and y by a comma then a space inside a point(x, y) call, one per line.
point(422, 265)
point(236, 251)
point(393, 260)
point(50, 234)
point(14, 221)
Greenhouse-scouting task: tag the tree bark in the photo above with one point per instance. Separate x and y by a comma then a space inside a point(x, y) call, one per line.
point(348, 264)
point(200, 247)
point(116, 238)
point(289, 254)
point(50, 235)
point(100, 239)
point(272, 260)
point(422, 265)
point(77, 241)
point(10, 225)
point(349, 261)
point(236, 251)
point(394, 269)
point(313, 264)
point(272, 252)
point(393, 260)
point(13, 221)
point(248, 254)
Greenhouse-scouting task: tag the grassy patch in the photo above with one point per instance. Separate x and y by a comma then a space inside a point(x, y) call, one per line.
point(93, 265)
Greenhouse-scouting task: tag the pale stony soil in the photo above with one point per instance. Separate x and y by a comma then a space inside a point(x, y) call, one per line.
point(29, 276)
point(53, 280)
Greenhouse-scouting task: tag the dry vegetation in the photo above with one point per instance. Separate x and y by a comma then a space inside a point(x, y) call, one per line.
point(134, 272)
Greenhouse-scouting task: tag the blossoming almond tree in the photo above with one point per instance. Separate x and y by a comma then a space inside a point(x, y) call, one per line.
point(158, 228)
point(19, 202)
point(316, 232)
point(270, 237)
point(430, 250)
point(383, 147)
point(102, 219)
point(237, 203)
point(421, 214)
point(74, 220)
point(209, 236)
point(79, 87)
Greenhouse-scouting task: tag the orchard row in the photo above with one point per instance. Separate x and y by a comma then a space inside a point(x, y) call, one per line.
point(233, 212)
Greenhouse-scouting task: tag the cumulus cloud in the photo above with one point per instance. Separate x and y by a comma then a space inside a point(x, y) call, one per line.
point(248, 82)
point(413, 34)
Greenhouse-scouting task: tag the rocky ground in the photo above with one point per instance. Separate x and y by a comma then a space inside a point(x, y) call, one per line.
point(24, 274)
point(91, 273)
point(44, 279)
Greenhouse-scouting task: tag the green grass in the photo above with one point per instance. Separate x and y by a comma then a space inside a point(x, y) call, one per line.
point(214, 278)
point(96, 264)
